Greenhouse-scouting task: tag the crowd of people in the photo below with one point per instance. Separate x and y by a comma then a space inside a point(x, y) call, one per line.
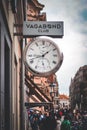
point(63, 119)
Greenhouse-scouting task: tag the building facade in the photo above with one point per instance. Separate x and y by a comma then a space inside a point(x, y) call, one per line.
point(11, 13)
point(64, 101)
point(78, 89)
point(17, 85)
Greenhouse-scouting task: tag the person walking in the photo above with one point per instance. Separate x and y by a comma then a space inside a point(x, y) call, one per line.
point(65, 125)
point(49, 123)
point(58, 124)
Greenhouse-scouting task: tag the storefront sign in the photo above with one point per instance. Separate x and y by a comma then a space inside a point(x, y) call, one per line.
point(42, 28)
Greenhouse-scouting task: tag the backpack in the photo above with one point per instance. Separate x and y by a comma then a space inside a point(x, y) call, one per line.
point(65, 125)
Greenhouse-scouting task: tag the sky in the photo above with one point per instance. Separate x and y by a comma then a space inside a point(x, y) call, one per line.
point(73, 45)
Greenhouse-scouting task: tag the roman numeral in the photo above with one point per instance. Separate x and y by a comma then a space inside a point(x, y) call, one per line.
point(55, 55)
point(31, 48)
point(36, 43)
point(43, 42)
point(54, 62)
point(36, 67)
point(54, 49)
point(31, 61)
point(30, 55)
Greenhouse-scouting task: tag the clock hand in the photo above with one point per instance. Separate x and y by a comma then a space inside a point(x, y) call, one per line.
point(41, 55)
point(46, 53)
point(36, 57)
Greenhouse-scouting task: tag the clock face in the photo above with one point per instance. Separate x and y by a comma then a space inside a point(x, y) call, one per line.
point(43, 57)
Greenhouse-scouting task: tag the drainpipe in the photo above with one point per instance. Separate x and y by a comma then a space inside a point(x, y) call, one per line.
point(22, 78)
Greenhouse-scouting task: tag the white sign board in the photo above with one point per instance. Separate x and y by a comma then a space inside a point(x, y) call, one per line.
point(43, 28)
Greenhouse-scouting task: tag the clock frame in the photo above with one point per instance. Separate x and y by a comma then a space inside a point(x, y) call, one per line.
point(46, 49)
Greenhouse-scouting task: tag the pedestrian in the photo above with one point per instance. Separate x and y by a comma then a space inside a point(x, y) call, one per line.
point(65, 125)
point(49, 122)
point(58, 124)
point(84, 121)
point(34, 124)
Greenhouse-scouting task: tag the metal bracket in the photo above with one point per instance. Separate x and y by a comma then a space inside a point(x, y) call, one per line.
point(18, 33)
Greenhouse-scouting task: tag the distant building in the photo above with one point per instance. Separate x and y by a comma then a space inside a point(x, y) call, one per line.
point(63, 101)
point(78, 89)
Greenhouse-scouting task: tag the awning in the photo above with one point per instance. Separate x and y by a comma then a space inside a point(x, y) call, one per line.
point(37, 104)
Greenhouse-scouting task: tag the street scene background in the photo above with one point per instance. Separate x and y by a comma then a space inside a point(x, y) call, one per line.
point(43, 87)
point(74, 43)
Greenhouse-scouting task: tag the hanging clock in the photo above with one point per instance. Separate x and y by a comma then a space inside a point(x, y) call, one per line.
point(42, 57)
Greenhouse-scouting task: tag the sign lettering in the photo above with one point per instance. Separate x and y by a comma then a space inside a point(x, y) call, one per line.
point(42, 28)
